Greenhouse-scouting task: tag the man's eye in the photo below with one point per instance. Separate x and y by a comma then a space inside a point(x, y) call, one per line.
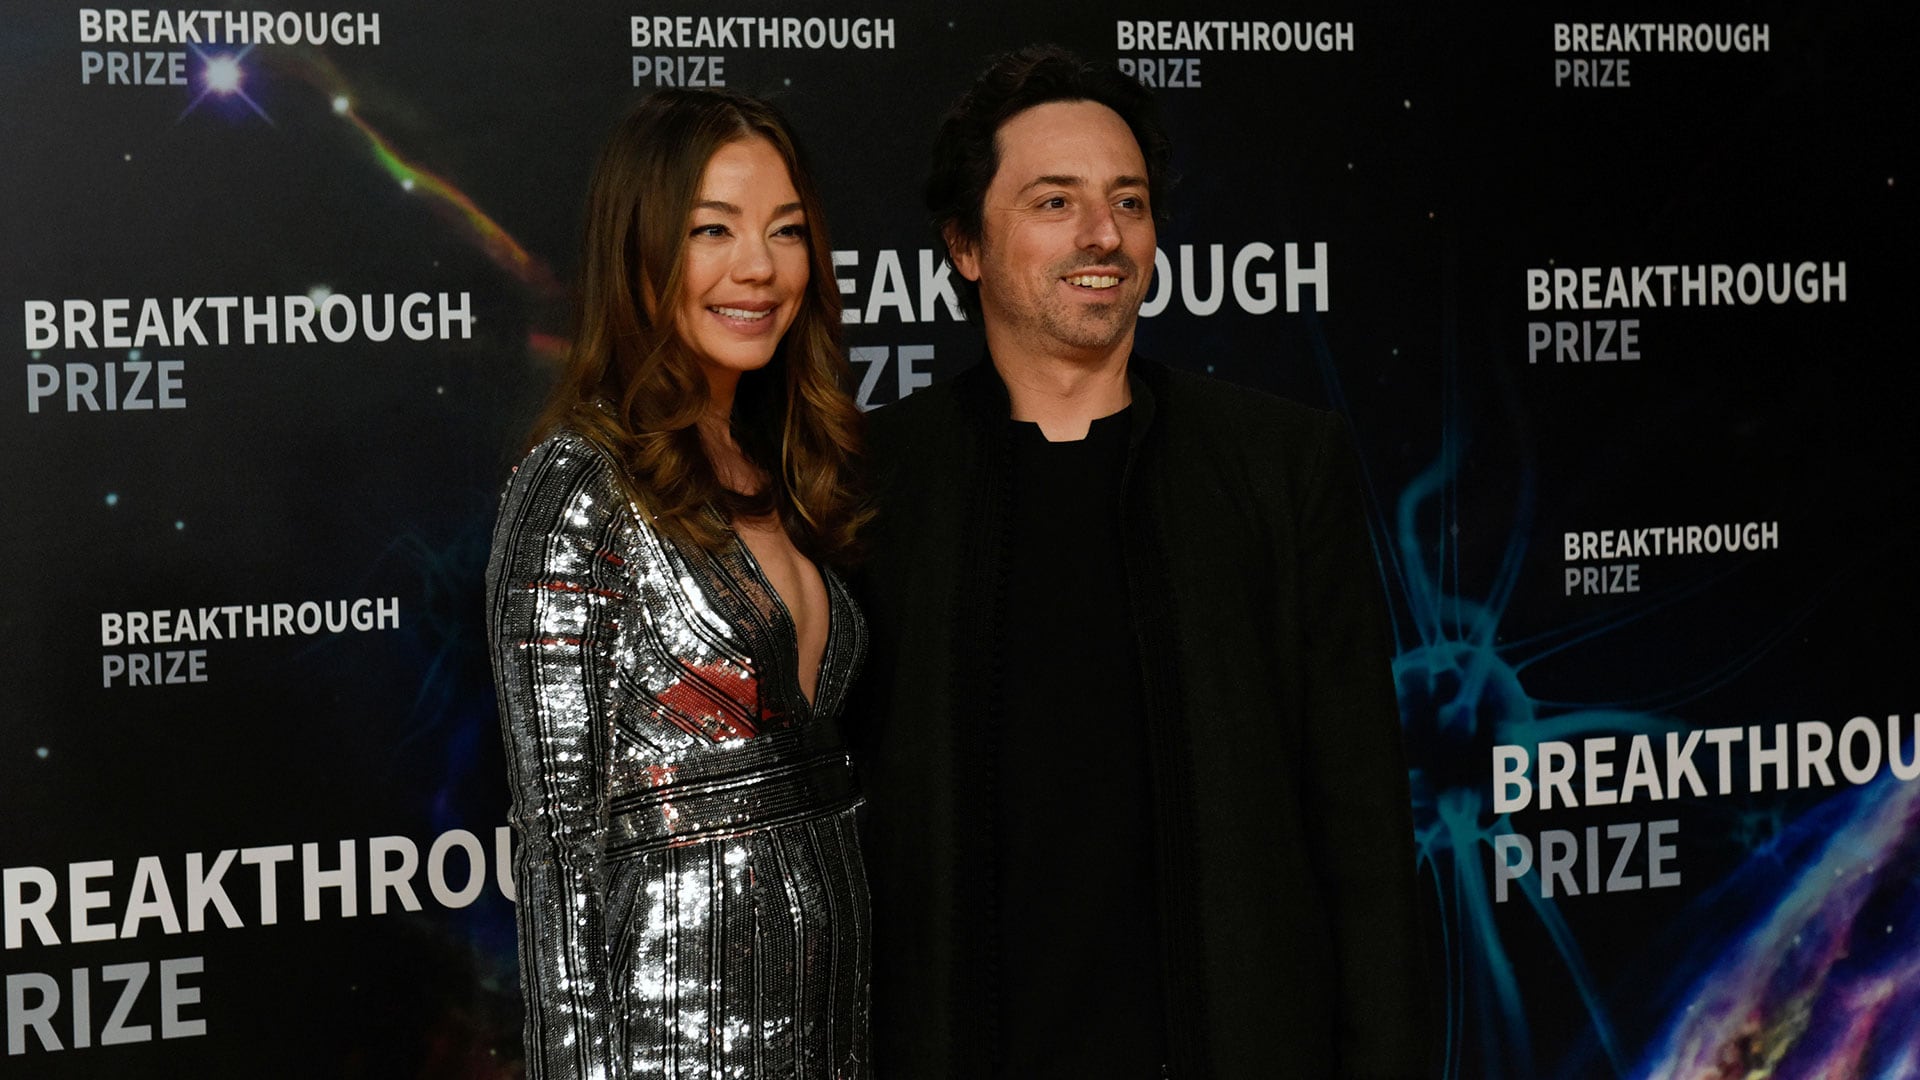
point(1054, 202)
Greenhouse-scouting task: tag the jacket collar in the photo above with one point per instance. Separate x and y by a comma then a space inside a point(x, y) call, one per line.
point(983, 394)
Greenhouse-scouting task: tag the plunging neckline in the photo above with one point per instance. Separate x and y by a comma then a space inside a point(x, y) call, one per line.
point(752, 562)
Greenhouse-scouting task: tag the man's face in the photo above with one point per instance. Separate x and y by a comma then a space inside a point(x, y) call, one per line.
point(1066, 241)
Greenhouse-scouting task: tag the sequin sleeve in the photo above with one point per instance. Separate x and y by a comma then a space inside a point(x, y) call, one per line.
point(554, 586)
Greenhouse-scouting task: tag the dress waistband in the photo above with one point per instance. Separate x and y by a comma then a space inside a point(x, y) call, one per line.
point(676, 814)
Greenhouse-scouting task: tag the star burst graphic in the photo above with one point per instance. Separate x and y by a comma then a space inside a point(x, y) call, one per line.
point(222, 77)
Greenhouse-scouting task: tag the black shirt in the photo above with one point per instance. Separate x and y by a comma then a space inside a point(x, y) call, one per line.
point(1079, 973)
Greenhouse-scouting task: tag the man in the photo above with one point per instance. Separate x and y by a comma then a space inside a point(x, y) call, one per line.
point(1136, 802)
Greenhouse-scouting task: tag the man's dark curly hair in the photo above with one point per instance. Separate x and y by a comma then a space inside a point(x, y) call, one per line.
point(966, 155)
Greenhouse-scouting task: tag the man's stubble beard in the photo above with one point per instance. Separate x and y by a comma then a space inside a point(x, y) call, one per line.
point(1089, 327)
point(1077, 325)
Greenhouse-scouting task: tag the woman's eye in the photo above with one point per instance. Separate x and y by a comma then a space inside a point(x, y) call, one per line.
point(795, 231)
point(709, 230)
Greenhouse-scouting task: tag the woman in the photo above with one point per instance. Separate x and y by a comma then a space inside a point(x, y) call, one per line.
point(670, 660)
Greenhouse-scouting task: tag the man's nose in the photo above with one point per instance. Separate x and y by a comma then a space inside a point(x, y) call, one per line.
point(1099, 229)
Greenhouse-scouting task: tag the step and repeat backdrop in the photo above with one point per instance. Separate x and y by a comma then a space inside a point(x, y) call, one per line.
point(1611, 299)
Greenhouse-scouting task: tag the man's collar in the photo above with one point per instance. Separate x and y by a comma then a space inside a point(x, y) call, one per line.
point(984, 393)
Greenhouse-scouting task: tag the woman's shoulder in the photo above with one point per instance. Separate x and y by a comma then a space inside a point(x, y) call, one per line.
point(568, 475)
point(569, 450)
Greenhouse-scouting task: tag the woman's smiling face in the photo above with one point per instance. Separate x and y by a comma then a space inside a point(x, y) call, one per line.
point(746, 261)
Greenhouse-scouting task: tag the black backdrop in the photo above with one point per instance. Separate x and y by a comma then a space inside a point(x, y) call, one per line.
point(1420, 164)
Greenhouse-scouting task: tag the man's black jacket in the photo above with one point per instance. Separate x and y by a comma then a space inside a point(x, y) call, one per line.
point(1283, 846)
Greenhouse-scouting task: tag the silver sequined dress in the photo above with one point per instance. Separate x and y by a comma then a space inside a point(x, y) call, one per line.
point(691, 897)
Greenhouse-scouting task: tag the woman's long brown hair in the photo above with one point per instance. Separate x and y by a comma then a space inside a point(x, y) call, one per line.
point(632, 385)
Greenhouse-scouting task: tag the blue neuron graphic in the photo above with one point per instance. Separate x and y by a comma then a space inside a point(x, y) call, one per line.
point(1461, 693)
point(1462, 689)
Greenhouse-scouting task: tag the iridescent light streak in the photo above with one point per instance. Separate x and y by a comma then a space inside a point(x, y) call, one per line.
point(316, 69)
point(494, 240)
point(548, 346)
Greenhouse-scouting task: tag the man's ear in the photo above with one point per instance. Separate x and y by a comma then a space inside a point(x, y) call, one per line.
point(961, 250)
